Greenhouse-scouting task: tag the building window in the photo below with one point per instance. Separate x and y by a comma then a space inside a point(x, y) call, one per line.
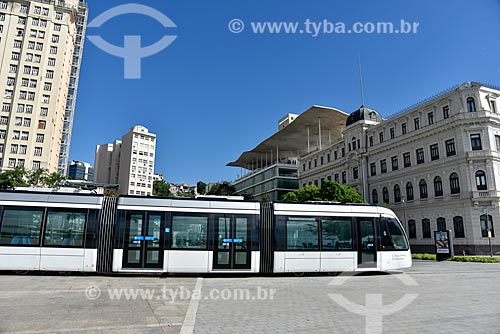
point(409, 191)
point(343, 152)
point(381, 137)
point(397, 194)
point(481, 180)
point(385, 195)
point(441, 224)
point(321, 160)
point(354, 143)
point(370, 140)
point(430, 118)
point(471, 104)
point(344, 177)
point(335, 155)
point(434, 152)
point(416, 121)
point(412, 229)
point(487, 226)
point(36, 165)
point(383, 166)
point(336, 176)
point(475, 142)
point(426, 228)
point(355, 173)
point(423, 188)
point(403, 128)
point(493, 106)
point(458, 227)
point(394, 163)
point(420, 156)
point(454, 184)
point(497, 141)
point(446, 112)
point(41, 125)
point(438, 186)
point(38, 152)
point(374, 196)
point(391, 132)
point(59, 16)
point(39, 138)
point(328, 157)
point(450, 147)
point(315, 162)
point(407, 159)
point(373, 169)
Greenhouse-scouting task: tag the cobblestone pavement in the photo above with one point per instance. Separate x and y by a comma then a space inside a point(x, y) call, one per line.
point(446, 297)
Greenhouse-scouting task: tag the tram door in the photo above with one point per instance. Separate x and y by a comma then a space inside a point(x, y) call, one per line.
point(232, 242)
point(367, 252)
point(143, 241)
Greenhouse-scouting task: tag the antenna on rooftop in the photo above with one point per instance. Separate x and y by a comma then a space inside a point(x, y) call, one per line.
point(361, 80)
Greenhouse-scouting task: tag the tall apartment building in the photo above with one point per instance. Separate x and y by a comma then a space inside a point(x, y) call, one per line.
point(41, 44)
point(436, 164)
point(128, 163)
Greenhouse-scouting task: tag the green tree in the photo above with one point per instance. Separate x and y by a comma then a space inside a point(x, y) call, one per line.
point(161, 188)
point(13, 178)
point(329, 191)
point(53, 180)
point(20, 177)
point(222, 189)
point(201, 187)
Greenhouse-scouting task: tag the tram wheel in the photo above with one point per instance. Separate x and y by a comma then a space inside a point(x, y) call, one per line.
point(64, 273)
point(21, 272)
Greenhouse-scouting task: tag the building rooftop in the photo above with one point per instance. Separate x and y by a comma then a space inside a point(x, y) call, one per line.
point(293, 139)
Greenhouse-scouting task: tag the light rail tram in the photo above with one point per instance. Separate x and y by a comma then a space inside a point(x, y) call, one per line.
point(51, 231)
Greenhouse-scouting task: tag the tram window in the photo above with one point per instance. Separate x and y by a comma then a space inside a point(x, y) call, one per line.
point(21, 226)
point(336, 234)
point(189, 232)
point(65, 228)
point(302, 234)
point(392, 236)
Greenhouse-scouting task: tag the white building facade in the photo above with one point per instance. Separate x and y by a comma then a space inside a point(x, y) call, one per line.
point(41, 44)
point(128, 163)
point(437, 165)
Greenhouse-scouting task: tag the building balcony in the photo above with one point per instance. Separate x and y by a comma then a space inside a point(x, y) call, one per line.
point(485, 195)
point(483, 154)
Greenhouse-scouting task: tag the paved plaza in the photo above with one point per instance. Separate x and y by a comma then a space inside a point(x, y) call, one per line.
point(446, 297)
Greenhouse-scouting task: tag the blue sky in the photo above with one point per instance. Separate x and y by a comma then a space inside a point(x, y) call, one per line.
point(213, 94)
